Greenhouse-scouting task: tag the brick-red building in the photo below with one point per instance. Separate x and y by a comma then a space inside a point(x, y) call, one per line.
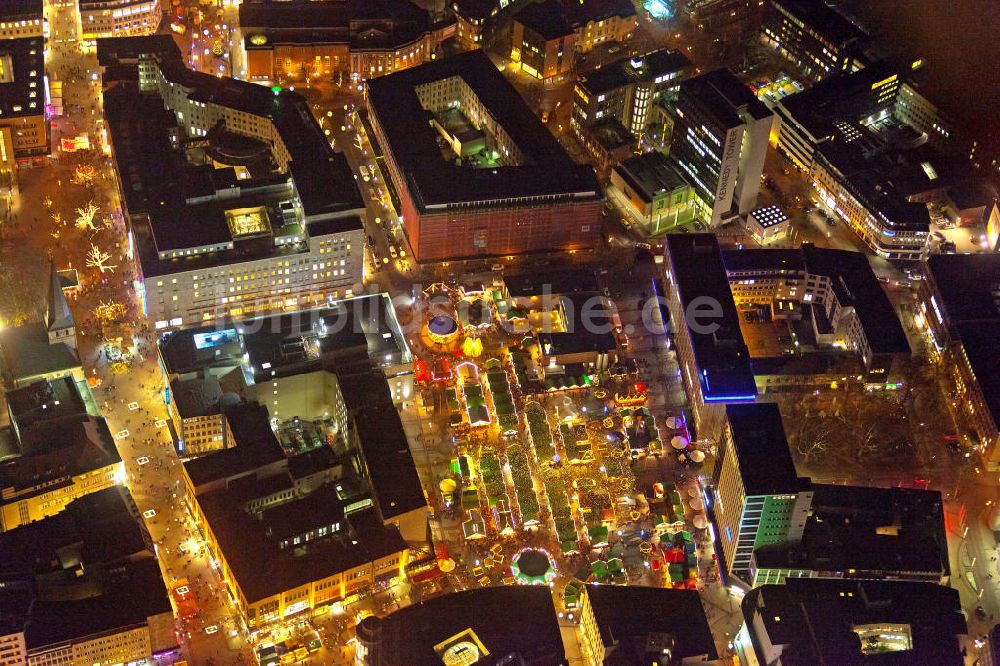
point(476, 172)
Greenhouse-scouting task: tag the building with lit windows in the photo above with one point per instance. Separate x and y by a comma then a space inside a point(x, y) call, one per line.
point(619, 102)
point(719, 142)
point(807, 622)
point(832, 298)
point(543, 44)
point(24, 129)
point(600, 22)
point(119, 18)
point(84, 587)
point(914, 109)
point(56, 449)
point(757, 498)
point(295, 523)
point(474, 20)
point(263, 218)
point(767, 224)
point(358, 39)
point(711, 352)
point(22, 18)
point(815, 37)
point(959, 308)
point(653, 194)
point(477, 174)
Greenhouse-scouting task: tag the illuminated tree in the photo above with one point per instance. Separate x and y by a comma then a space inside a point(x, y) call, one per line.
point(47, 202)
point(85, 217)
point(111, 311)
point(84, 175)
point(98, 259)
point(57, 219)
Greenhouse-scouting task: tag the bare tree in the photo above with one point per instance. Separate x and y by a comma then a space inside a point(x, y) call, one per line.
point(85, 217)
point(96, 258)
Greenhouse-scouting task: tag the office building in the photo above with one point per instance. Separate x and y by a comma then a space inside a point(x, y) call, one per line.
point(474, 20)
point(297, 522)
point(209, 370)
point(805, 622)
point(861, 532)
point(357, 39)
point(476, 172)
point(616, 104)
point(599, 22)
point(55, 450)
point(22, 18)
point(714, 360)
point(44, 349)
point(119, 18)
point(960, 312)
point(643, 625)
point(914, 109)
point(542, 41)
point(653, 195)
point(24, 129)
point(720, 139)
point(265, 219)
point(758, 498)
point(830, 298)
point(815, 37)
point(84, 587)
point(772, 525)
point(719, 14)
point(767, 224)
point(515, 625)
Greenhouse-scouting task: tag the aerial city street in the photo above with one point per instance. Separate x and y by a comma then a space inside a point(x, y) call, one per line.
point(549, 332)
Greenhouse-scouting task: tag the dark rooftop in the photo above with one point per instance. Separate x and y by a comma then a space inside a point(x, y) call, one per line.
point(721, 356)
point(816, 621)
point(547, 169)
point(723, 97)
point(823, 19)
point(761, 449)
point(979, 340)
point(24, 93)
point(581, 12)
point(589, 324)
point(853, 281)
point(20, 10)
point(515, 624)
point(539, 283)
point(650, 175)
point(87, 570)
point(969, 285)
point(880, 530)
point(384, 447)
point(255, 447)
point(544, 18)
point(622, 72)
point(627, 615)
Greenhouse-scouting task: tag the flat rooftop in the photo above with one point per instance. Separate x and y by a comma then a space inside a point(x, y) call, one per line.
point(868, 529)
point(22, 71)
point(969, 285)
point(650, 175)
point(255, 447)
point(20, 10)
point(816, 620)
point(515, 624)
point(761, 449)
point(627, 616)
point(721, 355)
point(724, 98)
point(547, 170)
point(823, 19)
point(624, 71)
point(545, 19)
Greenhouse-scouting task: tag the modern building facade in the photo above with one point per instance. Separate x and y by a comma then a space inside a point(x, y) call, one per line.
point(815, 37)
point(84, 587)
point(119, 18)
point(358, 39)
point(599, 22)
point(720, 138)
point(624, 98)
point(543, 44)
point(767, 224)
point(268, 221)
point(758, 499)
point(22, 18)
point(499, 184)
point(57, 449)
